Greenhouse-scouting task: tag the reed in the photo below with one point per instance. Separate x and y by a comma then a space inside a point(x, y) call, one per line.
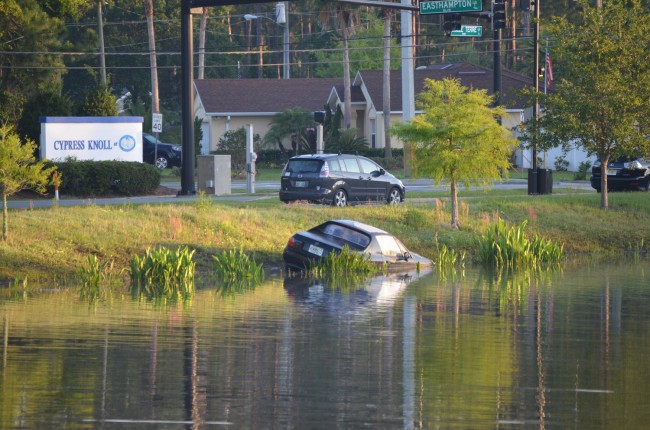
point(508, 247)
point(236, 267)
point(163, 273)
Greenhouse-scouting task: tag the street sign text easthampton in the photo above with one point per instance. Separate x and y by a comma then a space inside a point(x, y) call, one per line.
point(450, 6)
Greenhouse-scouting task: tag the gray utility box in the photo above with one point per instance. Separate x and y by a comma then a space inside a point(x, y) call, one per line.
point(214, 174)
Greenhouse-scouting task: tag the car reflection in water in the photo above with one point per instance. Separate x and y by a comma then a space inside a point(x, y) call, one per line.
point(371, 294)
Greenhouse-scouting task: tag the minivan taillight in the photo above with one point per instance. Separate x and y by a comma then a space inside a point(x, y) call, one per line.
point(325, 171)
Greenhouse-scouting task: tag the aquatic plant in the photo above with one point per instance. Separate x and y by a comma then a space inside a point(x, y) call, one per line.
point(344, 269)
point(504, 246)
point(163, 272)
point(446, 257)
point(236, 266)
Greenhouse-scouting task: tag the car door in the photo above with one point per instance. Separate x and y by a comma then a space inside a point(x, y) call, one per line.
point(377, 183)
point(148, 148)
point(357, 184)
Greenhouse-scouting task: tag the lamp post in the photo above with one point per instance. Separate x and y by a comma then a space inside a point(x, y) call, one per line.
point(282, 19)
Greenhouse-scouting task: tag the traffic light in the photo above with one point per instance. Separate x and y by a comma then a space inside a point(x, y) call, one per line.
point(452, 22)
point(498, 14)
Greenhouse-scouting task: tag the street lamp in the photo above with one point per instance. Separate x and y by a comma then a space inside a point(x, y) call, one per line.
point(282, 19)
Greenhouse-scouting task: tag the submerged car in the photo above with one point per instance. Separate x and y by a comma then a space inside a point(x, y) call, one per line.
point(384, 249)
point(338, 179)
point(623, 174)
point(166, 155)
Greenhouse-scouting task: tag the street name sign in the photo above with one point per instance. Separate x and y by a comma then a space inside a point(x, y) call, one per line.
point(469, 31)
point(450, 6)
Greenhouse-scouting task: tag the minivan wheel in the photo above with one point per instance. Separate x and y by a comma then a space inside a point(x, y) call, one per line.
point(161, 162)
point(340, 198)
point(394, 197)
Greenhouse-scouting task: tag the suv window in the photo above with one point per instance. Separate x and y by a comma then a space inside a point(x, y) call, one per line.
point(351, 165)
point(334, 165)
point(368, 166)
point(304, 166)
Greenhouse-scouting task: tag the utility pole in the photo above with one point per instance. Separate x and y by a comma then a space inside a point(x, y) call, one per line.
point(100, 34)
point(408, 87)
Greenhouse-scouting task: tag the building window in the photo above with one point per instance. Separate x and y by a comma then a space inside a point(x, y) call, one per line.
point(373, 133)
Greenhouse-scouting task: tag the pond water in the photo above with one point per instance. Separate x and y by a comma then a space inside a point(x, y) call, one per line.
point(467, 350)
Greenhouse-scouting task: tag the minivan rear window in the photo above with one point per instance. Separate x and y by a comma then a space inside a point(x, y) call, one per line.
point(304, 166)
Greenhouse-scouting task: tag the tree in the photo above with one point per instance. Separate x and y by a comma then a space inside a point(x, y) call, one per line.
point(291, 123)
point(457, 137)
point(602, 99)
point(24, 27)
point(345, 18)
point(19, 170)
point(48, 103)
point(99, 102)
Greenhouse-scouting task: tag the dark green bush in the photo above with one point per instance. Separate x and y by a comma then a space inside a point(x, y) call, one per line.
point(106, 178)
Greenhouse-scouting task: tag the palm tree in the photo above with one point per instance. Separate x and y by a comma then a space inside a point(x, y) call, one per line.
point(345, 18)
point(291, 123)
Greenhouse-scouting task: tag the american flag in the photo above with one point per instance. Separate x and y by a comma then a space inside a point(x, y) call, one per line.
point(549, 70)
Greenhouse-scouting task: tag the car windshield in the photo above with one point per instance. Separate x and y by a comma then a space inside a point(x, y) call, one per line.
point(304, 166)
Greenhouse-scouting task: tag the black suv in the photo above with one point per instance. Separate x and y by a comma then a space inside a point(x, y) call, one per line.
point(338, 179)
point(623, 173)
point(168, 155)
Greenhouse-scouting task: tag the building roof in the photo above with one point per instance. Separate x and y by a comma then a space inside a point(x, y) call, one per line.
point(470, 75)
point(227, 96)
point(268, 96)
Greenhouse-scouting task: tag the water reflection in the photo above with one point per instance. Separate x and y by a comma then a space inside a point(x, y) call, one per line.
point(540, 350)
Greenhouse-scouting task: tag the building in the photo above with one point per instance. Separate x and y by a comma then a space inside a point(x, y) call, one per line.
point(228, 104)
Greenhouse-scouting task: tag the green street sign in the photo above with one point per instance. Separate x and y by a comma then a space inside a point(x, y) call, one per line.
point(468, 31)
point(450, 6)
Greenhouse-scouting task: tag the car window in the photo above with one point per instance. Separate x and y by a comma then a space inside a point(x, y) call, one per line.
point(388, 245)
point(304, 166)
point(368, 166)
point(347, 234)
point(334, 165)
point(351, 165)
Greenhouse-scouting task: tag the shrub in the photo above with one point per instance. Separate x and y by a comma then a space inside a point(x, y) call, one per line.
point(102, 178)
point(583, 169)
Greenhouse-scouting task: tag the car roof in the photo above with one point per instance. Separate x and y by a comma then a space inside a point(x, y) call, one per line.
point(358, 226)
point(321, 156)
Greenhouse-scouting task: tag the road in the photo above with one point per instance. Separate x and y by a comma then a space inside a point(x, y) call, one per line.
point(269, 188)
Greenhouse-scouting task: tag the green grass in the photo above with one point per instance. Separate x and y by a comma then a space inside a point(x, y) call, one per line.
point(52, 245)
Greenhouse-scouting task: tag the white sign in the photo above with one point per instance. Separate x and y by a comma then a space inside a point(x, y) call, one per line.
point(92, 138)
point(156, 122)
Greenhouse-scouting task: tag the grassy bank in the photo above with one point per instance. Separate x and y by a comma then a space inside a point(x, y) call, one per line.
point(46, 244)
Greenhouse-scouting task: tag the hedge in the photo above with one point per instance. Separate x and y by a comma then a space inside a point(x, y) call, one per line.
point(106, 178)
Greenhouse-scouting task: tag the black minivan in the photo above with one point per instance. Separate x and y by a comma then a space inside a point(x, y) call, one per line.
point(338, 179)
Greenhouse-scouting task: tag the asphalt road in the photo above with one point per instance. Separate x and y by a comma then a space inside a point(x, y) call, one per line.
point(270, 189)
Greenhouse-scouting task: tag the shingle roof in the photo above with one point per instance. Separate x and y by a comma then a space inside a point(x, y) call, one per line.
point(470, 75)
point(227, 96)
point(263, 95)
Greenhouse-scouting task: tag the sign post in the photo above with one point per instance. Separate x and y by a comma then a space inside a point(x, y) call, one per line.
point(156, 127)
